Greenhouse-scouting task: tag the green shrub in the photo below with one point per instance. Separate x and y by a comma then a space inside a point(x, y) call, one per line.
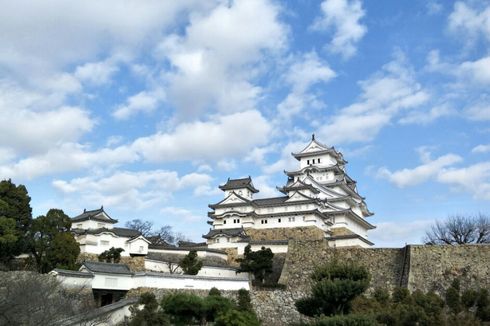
point(184, 308)
point(215, 305)
point(400, 295)
point(243, 301)
point(150, 315)
point(237, 318)
point(346, 320)
point(214, 291)
point(453, 299)
point(381, 295)
point(483, 305)
point(335, 286)
point(469, 298)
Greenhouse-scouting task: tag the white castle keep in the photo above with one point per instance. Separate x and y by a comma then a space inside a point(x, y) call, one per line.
point(319, 196)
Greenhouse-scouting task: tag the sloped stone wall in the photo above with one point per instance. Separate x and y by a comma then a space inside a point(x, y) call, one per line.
point(299, 233)
point(414, 267)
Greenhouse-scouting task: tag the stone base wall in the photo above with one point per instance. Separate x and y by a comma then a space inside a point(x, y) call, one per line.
point(232, 256)
point(298, 233)
point(414, 267)
point(135, 264)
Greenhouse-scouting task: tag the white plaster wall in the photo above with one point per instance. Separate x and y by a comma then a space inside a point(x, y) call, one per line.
point(91, 224)
point(188, 282)
point(159, 266)
point(73, 282)
point(94, 243)
point(112, 281)
point(344, 221)
point(348, 243)
point(138, 247)
point(200, 253)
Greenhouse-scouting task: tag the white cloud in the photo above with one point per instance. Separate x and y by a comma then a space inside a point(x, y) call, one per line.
point(307, 71)
point(470, 23)
point(137, 190)
point(474, 179)
point(179, 214)
point(96, 73)
point(433, 7)
point(64, 158)
point(425, 117)
point(481, 149)
point(477, 71)
point(479, 111)
point(212, 140)
point(404, 232)
point(429, 169)
point(218, 71)
point(266, 189)
point(344, 17)
point(52, 34)
point(385, 95)
point(144, 101)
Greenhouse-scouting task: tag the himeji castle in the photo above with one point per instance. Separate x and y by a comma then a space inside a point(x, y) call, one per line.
point(320, 201)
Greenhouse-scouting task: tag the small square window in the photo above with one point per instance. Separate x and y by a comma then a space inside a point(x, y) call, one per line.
point(224, 221)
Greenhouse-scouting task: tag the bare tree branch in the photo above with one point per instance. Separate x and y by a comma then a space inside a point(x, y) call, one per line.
point(460, 229)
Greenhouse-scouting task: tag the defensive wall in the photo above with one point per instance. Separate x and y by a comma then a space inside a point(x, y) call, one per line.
point(414, 267)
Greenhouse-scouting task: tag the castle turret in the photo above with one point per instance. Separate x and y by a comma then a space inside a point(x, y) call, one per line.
point(242, 187)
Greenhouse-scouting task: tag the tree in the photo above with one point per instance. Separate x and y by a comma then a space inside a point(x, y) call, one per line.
point(112, 255)
point(31, 299)
point(243, 301)
point(15, 210)
point(52, 243)
point(460, 229)
point(190, 264)
point(259, 263)
point(150, 315)
point(144, 227)
point(335, 286)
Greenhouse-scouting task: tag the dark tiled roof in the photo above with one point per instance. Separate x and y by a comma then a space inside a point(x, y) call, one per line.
point(121, 232)
point(269, 242)
point(67, 272)
point(236, 232)
point(239, 184)
point(95, 214)
point(173, 248)
point(99, 267)
point(176, 258)
point(270, 201)
point(350, 236)
point(187, 244)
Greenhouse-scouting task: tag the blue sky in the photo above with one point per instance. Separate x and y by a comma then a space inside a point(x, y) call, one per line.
point(145, 107)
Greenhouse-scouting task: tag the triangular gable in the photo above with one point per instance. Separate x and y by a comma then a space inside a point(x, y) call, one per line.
point(297, 196)
point(327, 191)
point(139, 238)
point(233, 198)
point(314, 146)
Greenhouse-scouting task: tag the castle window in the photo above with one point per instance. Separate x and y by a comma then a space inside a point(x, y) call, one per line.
point(291, 219)
point(279, 220)
point(318, 160)
point(313, 161)
point(224, 221)
point(263, 222)
point(104, 243)
point(308, 162)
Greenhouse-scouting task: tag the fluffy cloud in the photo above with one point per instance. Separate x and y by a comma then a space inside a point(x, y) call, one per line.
point(210, 140)
point(343, 16)
point(218, 70)
point(388, 234)
point(473, 179)
point(481, 149)
point(429, 169)
point(96, 73)
point(144, 101)
point(384, 96)
point(471, 23)
point(49, 35)
point(137, 190)
point(307, 71)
